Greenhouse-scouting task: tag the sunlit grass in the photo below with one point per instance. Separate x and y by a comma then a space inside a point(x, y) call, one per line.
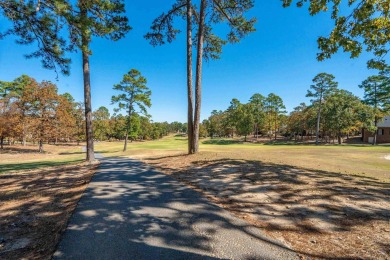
point(19, 158)
point(365, 160)
point(360, 159)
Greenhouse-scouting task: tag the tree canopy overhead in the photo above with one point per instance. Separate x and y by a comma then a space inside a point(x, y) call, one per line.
point(201, 22)
point(38, 22)
point(361, 25)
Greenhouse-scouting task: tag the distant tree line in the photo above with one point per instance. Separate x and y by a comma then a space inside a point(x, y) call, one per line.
point(332, 114)
point(113, 127)
point(32, 111)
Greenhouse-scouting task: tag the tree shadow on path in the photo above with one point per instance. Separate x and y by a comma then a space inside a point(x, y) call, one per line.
point(130, 211)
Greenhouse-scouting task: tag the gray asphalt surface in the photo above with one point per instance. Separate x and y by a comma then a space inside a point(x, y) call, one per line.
point(130, 211)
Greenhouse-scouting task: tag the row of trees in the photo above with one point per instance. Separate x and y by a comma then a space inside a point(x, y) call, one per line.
point(261, 115)
point(32, 111)
point(42, 21)
point(332, 113)
point(115, 127)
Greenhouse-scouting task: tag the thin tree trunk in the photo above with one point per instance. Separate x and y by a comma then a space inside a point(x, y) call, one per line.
point(126, 138)
point(190, 96)
point(275, 124)
point(339, 138)
point(318, 124)
point(376, 130)
point(2, 142)
point(127, 131)
point(40, 146)
point(24, 136)
point(198, 84)
point(376, 118)
point(87, 91)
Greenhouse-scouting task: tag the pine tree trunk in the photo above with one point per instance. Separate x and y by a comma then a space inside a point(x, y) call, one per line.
point(40, 146)
point(190, 96)
point(376, 118)
point(376, 130)
point(318, 125)
point(198, 84)
point(275, 124)
point(24, 136)
point(127, 130)
point(126, 138)
point(87, 91)
point(339, 138)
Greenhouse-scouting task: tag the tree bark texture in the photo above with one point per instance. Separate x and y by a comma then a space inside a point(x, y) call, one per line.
point(190, 114)
point(198, 83)
point(87, 93)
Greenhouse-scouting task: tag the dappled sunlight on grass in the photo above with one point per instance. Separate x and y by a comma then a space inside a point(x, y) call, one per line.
point(320, 213)
point(346, 159)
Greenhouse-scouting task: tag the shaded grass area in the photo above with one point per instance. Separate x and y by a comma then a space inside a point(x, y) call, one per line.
point(35, 207)
point(322, 214)
point(221, 141)
point(35, 165)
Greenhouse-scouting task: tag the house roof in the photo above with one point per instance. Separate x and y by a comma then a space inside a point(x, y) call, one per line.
point(385, 122)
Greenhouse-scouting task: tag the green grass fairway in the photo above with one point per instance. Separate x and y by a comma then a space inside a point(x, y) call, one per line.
point(22, 158)
point(364, 160)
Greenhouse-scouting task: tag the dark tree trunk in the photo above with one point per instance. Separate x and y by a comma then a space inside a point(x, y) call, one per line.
point(275, 124)
point(376, 130)
point(318, 125)
point(190, 112)
point(24, 142)
point(2, 142)
point(40, 146)
point(376, 118)
point(126, 138)
point(87, 91)
point(198, 84)
point(127, 131)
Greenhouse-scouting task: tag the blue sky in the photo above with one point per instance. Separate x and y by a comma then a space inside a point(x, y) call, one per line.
point(280, 57)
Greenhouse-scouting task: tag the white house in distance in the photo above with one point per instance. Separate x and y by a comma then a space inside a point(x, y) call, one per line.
point(383, 132)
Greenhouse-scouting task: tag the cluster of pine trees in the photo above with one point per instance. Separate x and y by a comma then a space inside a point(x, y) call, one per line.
point(332, 113)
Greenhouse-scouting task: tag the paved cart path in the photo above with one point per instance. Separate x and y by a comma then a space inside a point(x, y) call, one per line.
point(130, 211)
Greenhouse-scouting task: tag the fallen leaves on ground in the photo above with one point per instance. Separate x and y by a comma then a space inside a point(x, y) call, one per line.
point(320, 214)
point(35, 207)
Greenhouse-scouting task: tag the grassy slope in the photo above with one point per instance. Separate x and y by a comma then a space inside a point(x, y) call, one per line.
point(351, 159)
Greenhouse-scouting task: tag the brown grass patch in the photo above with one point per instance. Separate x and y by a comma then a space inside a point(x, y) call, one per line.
point(320, 214)
point(35, 207)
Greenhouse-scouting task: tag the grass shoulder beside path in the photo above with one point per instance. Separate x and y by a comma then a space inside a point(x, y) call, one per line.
point(364, 160)
point(21, 158)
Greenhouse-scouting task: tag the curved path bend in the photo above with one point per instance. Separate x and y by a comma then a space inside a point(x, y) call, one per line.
point(130, 211)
